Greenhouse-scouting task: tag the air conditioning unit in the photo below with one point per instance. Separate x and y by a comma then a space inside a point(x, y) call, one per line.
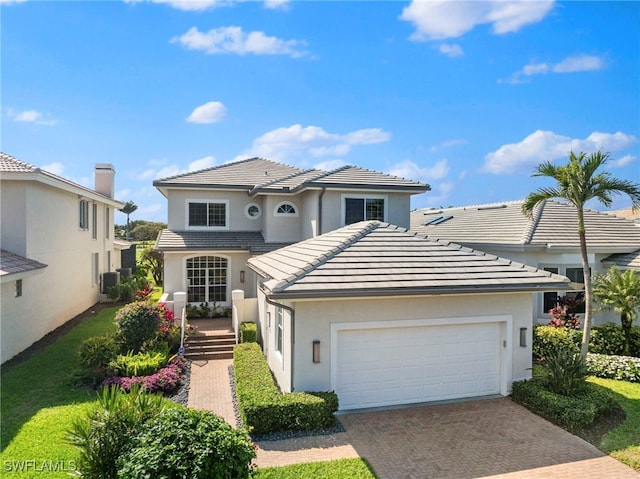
point(109, 280)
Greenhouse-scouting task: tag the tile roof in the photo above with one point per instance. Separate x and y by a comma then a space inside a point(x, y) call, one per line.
point(11, 263)
point(259, 175)
point(9, 163)
point(373, 258)
point(554, 225)
point(251, 241)
point(625, 260)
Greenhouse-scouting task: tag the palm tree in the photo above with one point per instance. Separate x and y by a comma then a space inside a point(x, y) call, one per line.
point(128, 208)
point(619, 291)
point(577, 182)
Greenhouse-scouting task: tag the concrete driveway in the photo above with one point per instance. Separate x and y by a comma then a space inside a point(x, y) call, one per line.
point(475, 439)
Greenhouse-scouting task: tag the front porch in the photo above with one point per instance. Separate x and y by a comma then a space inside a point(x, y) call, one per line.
point(211, 339)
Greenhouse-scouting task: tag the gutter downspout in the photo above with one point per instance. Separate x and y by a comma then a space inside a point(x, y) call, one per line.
point(292, 312)
point(324, 189)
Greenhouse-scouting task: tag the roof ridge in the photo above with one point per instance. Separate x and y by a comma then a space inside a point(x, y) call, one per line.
point(327, 173)
point(283, 178)
point(367, 228)
point(475, 206)
point(532, 224)
point(224, 165)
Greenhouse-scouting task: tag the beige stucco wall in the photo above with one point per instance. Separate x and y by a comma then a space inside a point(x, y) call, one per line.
point(49, 233)
point(282, 228)
point(313, 321)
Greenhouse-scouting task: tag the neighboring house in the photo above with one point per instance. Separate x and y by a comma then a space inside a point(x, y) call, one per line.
point(57, 241)
point(549, 240)
point(220, 217)
point(384, 316)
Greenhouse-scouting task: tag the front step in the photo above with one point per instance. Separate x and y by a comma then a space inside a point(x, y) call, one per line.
point(210, 346)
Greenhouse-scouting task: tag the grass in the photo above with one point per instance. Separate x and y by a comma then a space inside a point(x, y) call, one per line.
point(623, 442)
point(352, 468)
point(37, 404)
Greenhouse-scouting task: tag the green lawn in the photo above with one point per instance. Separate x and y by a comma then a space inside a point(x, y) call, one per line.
point(338, 469)
point(37, 405)
point(623, 442)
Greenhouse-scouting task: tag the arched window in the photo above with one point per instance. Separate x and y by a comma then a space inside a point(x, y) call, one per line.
point(286, 209)
point(207, 279)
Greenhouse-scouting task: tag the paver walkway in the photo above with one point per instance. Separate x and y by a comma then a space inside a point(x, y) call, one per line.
point(493, 438)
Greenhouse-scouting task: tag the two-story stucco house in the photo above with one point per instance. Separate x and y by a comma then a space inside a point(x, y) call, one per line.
point(220, 217)
point(57, 240)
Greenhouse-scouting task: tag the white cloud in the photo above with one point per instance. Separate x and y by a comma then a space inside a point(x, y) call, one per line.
point(188, 5)
point(409, 169)
point(440, 19)
point(542, 146)
point(296, 141)
point(439, 195)
point(330, 165)
point(572, 64)
point(451, 50)
point(31, 116)
point(159, 168)
point(56, 168)
point(234, 40)
point(448, 144)
point(210, 112)
point(621, 162)
point(277, 4)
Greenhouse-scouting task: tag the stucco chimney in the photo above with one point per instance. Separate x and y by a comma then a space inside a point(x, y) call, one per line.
point(105, 179)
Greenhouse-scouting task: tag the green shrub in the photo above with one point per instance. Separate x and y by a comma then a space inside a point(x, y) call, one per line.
point(564, 372)
point(606, 339)
point(138, 364)
point(181, 443)
point(248, 332)
point(547, 339)
point(571, 412)
point(634, 343)
point(621, 368)
point(105, 433)
point(97, 352)
point(138, 322)
point(265, 409)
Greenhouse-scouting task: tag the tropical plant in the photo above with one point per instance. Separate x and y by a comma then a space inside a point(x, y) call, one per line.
point(564, 372)
point(619, 291)
point(578, 182)
point(138, 322)
point(153, 260)
point(563, 313)
point(128, 208)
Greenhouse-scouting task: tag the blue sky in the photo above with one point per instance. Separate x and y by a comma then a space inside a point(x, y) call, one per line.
point(466, 96)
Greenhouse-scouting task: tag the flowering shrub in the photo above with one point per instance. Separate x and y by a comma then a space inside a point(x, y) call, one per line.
point(563, 314)
point(138, 322)
point(621, 368)
point(166, 380)
point(169, 329)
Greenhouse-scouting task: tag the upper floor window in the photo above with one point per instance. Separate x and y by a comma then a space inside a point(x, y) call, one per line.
point(252, 211)
point(94, 221)
point(364, 209)
point(84, 215)
point(286, 209)
point(208, 214)
point(107, 222)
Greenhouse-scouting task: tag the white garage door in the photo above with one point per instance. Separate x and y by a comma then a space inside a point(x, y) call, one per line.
point(387, 366)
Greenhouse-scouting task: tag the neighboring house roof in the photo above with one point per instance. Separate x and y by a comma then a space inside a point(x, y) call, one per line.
point(251, 241)
point(11, 264)
point(257, 175)
point(13, 169)
point(624, 260)
point(628, 213)
point(554, 225)
point(372, 259)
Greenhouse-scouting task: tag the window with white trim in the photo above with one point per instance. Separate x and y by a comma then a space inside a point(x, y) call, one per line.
point(575, 275)
point(107, 222)
point(366, 208)
point(18, 288)
point(253, 211)
point(84, 215)
point(207, 214)
point(94, 221)
point(95, 269)
point(285, 208)
point(279, 329)
point(207, 279)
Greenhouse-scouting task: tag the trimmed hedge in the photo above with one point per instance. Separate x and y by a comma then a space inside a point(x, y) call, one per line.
point(265, 409)
point(622, 368)
point(570, 412)
point(248, 332)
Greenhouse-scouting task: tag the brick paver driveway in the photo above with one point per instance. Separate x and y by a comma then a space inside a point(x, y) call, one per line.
point(475, 439)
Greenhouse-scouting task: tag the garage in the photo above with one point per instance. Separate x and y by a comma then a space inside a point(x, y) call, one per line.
point(390, 365)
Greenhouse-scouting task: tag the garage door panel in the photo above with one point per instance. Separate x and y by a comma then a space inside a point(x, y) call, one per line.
point(385, 366)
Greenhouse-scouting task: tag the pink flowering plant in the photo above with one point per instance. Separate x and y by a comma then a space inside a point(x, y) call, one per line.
point(563, 313)
point(166, 380)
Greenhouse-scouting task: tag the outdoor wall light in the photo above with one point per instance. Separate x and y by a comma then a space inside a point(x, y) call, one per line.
point(316, 351)
point(523, 337)
point(242, 276)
